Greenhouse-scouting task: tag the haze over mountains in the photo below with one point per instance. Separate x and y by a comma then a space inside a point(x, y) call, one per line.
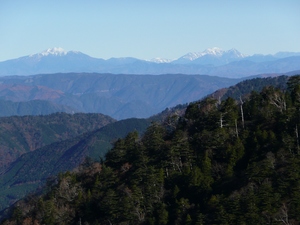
point(119, 96)
point(214, 61)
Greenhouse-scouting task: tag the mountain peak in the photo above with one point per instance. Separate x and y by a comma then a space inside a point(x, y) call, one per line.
point(54, 51)
point(236, 53)
point(213, 51)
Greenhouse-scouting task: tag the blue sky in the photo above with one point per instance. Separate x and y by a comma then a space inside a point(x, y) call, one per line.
point(148, 29)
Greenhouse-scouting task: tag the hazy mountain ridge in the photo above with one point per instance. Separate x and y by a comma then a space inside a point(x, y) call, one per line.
point(119, 96)
point(212, 61)
point(33, 107)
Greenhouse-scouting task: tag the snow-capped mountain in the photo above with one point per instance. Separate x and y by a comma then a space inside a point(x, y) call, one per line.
point(52, 60)
point(217, 52)
point(52, 51)
point(160, 60)
point(211, 56)
point(212, 61)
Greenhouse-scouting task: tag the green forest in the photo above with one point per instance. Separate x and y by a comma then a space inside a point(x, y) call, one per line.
point(231, 161)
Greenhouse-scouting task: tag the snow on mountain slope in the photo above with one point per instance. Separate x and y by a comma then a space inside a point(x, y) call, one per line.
point(160, 60)
point(213, 53)
point(57, 51)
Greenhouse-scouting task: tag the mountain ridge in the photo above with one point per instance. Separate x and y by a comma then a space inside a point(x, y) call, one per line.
point(214, 61)
point(214, 51)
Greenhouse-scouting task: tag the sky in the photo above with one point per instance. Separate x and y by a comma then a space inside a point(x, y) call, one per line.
point(148, 29)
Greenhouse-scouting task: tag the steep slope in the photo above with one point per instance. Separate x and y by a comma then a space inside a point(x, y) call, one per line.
point(32, 169)
point(19, 135)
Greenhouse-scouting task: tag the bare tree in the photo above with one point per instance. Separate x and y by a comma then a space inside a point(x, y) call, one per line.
point(278, 100)
point(242, 112)
point(282, 215)
point(297, 138)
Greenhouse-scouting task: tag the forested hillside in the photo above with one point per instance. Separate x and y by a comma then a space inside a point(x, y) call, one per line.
point(31, 170)
point(223, 162)
point(19, 135)
point(246, 87)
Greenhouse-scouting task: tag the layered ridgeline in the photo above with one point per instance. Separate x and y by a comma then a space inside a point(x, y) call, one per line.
point(223, 162)
point(119, 96)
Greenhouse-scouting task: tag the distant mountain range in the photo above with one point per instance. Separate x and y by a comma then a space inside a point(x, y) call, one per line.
point(214, 61)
